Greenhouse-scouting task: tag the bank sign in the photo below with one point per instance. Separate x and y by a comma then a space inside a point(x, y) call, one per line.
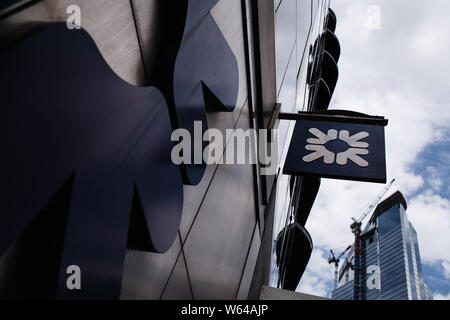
point(346, 149)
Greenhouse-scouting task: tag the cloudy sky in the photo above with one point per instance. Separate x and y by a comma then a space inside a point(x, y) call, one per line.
point(397, 68)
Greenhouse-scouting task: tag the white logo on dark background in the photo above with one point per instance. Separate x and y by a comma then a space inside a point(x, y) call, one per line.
point(356, 148)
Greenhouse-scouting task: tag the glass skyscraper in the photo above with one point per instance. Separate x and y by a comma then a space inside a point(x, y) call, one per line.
point(391, 268)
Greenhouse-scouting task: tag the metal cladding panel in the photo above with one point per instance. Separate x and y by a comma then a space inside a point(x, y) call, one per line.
point(303, 27)
point(218, 219)
point(264, 42)
point(250, 265)
point(285, 39)
point(302, 160)
point(228, 16)
point(204, 58)
point(178, 286)
point(116, 38)
point(145, 274)
point(194, 195)
point(217, 245)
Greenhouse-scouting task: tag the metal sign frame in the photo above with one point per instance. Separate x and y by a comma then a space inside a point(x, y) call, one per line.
point(364, 160)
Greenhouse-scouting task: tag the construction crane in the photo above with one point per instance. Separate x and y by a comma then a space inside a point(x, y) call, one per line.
point(333, 259)
point(356, 229)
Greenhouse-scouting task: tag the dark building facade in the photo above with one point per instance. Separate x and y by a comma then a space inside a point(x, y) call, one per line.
point(88, 114)
point(391, 268)
point(307, 74)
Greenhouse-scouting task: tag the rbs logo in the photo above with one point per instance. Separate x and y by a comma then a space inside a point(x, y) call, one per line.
point(356, 147)
point(338, 146)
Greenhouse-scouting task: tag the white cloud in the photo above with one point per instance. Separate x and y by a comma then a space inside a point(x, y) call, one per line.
point(446, 267)
point(439, 296)
point(317, 278)
point(434, 179)
point(430, 215)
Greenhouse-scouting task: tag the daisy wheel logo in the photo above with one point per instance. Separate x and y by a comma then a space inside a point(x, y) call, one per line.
point(356, 147)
